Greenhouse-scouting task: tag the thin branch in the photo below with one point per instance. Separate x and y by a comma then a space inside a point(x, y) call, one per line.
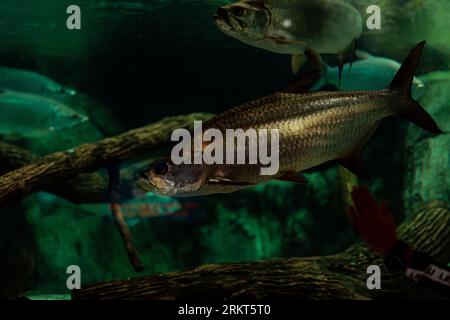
point(119, 220)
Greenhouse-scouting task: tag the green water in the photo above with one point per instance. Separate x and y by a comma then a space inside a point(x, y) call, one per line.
point(139, 61)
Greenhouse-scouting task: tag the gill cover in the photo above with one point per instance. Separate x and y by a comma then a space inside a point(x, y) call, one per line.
point(250, 18)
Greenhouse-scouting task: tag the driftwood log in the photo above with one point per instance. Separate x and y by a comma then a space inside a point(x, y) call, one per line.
point(341, 276)
point(54, 172)
point(85, 188)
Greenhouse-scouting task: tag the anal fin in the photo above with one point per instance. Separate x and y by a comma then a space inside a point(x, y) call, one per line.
point(353, 161)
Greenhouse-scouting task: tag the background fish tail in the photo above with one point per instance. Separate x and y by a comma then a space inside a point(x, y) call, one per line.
point(402, 83)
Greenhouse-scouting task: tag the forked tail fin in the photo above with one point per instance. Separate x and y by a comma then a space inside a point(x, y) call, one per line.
point(402, 83)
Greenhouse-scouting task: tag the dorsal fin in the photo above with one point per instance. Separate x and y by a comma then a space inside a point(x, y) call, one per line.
point(402, 83)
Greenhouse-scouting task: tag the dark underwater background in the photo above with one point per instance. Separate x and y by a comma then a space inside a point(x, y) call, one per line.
point(137, 61)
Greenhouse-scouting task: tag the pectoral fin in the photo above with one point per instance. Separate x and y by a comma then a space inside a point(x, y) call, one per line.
point(313, 57)
point(311, 77)
point(229, 182)
point(297, 61)
point(316, 61)
point(293, 177)
point(282, 40)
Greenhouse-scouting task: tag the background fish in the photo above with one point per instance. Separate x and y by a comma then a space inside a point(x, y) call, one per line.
point(314, 128)
point(30, 115)
point(32, 82)
point(370, 73)
point(292, 27)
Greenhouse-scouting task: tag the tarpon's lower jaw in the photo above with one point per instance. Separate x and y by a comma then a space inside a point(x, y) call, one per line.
point(145, 185)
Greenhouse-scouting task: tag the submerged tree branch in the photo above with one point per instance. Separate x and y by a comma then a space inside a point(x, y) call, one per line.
point(85, 188)
point(119, 220)
point(53, 172)
point(342, 276)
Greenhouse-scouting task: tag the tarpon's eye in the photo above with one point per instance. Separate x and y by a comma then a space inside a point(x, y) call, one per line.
point(237, 11)
point(161, 168)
